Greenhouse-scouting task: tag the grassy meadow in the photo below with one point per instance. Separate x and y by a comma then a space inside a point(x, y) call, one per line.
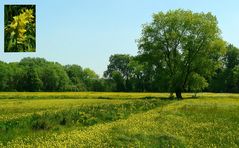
point(91, 119)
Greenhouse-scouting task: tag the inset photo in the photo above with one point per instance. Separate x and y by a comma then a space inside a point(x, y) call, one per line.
point(19, 28)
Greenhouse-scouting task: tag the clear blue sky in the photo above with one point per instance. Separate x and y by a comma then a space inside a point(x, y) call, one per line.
point(87, 32)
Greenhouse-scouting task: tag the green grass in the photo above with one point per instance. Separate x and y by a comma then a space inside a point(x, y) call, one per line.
point(79, 95)
point(118, 120)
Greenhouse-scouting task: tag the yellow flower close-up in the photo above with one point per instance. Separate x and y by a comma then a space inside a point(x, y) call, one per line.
point(18, 29)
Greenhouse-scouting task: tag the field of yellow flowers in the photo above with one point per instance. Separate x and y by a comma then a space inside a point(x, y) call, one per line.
point(88, 119)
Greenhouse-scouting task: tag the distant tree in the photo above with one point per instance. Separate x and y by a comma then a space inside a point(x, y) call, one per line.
point(28, 76)
point(31, 80)
point(4, 76)
point(235, 79)
point(50, 78)
point(36, 62)
point(119, 80)
point(179, 43)
point(109, 85)
point(217, 82)
point(136, 75)
point(231, 61)
point(90, 79)
point(197, 83)
point(16, 77)
point(64, 80)
point(231, 57)
point(98, 85)
point(51, 74)
point(89, 74)
point(225, 79)
point(120, 71)
point(76, 75)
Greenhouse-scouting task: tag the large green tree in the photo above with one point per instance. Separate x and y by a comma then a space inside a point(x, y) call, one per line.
point(181, 44)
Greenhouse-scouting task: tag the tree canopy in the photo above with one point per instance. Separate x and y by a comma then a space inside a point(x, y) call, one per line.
point(180, 44)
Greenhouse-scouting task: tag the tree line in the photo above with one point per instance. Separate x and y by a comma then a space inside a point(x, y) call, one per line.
point(132, 73)
point(125, 73)
point(38, 74)
point(179, 51)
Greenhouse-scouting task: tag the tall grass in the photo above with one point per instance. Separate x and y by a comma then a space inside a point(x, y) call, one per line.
point(73, 116)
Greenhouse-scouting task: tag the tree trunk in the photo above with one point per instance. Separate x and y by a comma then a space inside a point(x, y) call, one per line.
point(179, 94)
